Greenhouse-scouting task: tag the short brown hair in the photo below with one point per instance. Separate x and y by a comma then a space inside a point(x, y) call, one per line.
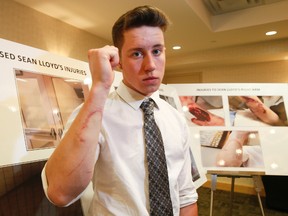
point(137, 17)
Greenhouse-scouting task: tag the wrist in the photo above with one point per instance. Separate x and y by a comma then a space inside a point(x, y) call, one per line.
point(97, 96)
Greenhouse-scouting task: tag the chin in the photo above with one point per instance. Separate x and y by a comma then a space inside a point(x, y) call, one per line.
point(151, 90)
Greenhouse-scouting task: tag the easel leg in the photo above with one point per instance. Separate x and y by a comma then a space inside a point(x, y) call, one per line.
point(232, 194)
point(258, 187)
point(213, 188)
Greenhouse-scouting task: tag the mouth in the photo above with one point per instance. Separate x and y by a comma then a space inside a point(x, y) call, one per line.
point(151, 80)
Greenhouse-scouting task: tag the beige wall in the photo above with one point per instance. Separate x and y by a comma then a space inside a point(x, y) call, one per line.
point(26, 26)
point(260, 62)
point(265, 72)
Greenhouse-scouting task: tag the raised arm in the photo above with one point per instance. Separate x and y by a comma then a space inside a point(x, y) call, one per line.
point(70, 167)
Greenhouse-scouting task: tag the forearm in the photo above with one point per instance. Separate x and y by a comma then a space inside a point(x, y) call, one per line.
point(70, 168)
point(231, 155)
point(190, 210)
point(261, 111)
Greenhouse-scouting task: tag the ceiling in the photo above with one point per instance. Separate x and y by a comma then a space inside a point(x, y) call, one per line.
point(194, 27)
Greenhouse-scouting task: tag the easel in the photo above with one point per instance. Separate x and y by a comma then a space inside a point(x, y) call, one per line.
point(233, 175)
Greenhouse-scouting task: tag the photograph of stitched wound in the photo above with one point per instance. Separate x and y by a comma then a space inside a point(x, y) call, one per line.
point(203, 110)
point(237, 148)
point(257, 111)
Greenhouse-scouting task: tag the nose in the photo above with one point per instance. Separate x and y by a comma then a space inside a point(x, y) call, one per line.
point(149, 63)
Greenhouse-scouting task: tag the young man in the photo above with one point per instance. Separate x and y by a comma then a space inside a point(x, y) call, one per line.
point(105, 142)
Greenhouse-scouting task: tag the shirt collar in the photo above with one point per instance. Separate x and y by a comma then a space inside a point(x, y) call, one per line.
point(133, 98)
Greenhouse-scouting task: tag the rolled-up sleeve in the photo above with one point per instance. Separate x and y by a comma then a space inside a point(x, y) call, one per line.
point(187, 193)
point(44, 183)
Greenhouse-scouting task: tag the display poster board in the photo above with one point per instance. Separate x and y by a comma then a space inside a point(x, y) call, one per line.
point(32, 103)
point(238, 127)
point(39, 90)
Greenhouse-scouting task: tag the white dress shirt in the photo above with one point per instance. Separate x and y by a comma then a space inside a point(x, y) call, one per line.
point(120, 179)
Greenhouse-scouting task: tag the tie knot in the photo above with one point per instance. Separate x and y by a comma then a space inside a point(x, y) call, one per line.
point(147, 106)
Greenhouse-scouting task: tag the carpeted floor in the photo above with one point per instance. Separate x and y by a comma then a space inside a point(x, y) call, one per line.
point(29, 200)
point(243, 204)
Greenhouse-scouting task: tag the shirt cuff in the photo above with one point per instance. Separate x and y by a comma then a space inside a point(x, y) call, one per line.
point(44, 183)
point(188, 200)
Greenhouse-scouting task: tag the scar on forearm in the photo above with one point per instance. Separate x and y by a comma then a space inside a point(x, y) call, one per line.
point(87, 120)
point(75, 168)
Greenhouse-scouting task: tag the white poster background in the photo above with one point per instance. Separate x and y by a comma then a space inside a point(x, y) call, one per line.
point(273, 139)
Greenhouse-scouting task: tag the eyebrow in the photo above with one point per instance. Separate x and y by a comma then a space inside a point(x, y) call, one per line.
point(141, 48)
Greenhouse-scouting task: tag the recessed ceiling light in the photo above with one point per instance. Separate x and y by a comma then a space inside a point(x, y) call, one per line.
point(176, 47)
point(269, 33)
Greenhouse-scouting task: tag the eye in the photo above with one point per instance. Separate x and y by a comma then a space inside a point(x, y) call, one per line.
point(137, 54)
point(157, 52)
